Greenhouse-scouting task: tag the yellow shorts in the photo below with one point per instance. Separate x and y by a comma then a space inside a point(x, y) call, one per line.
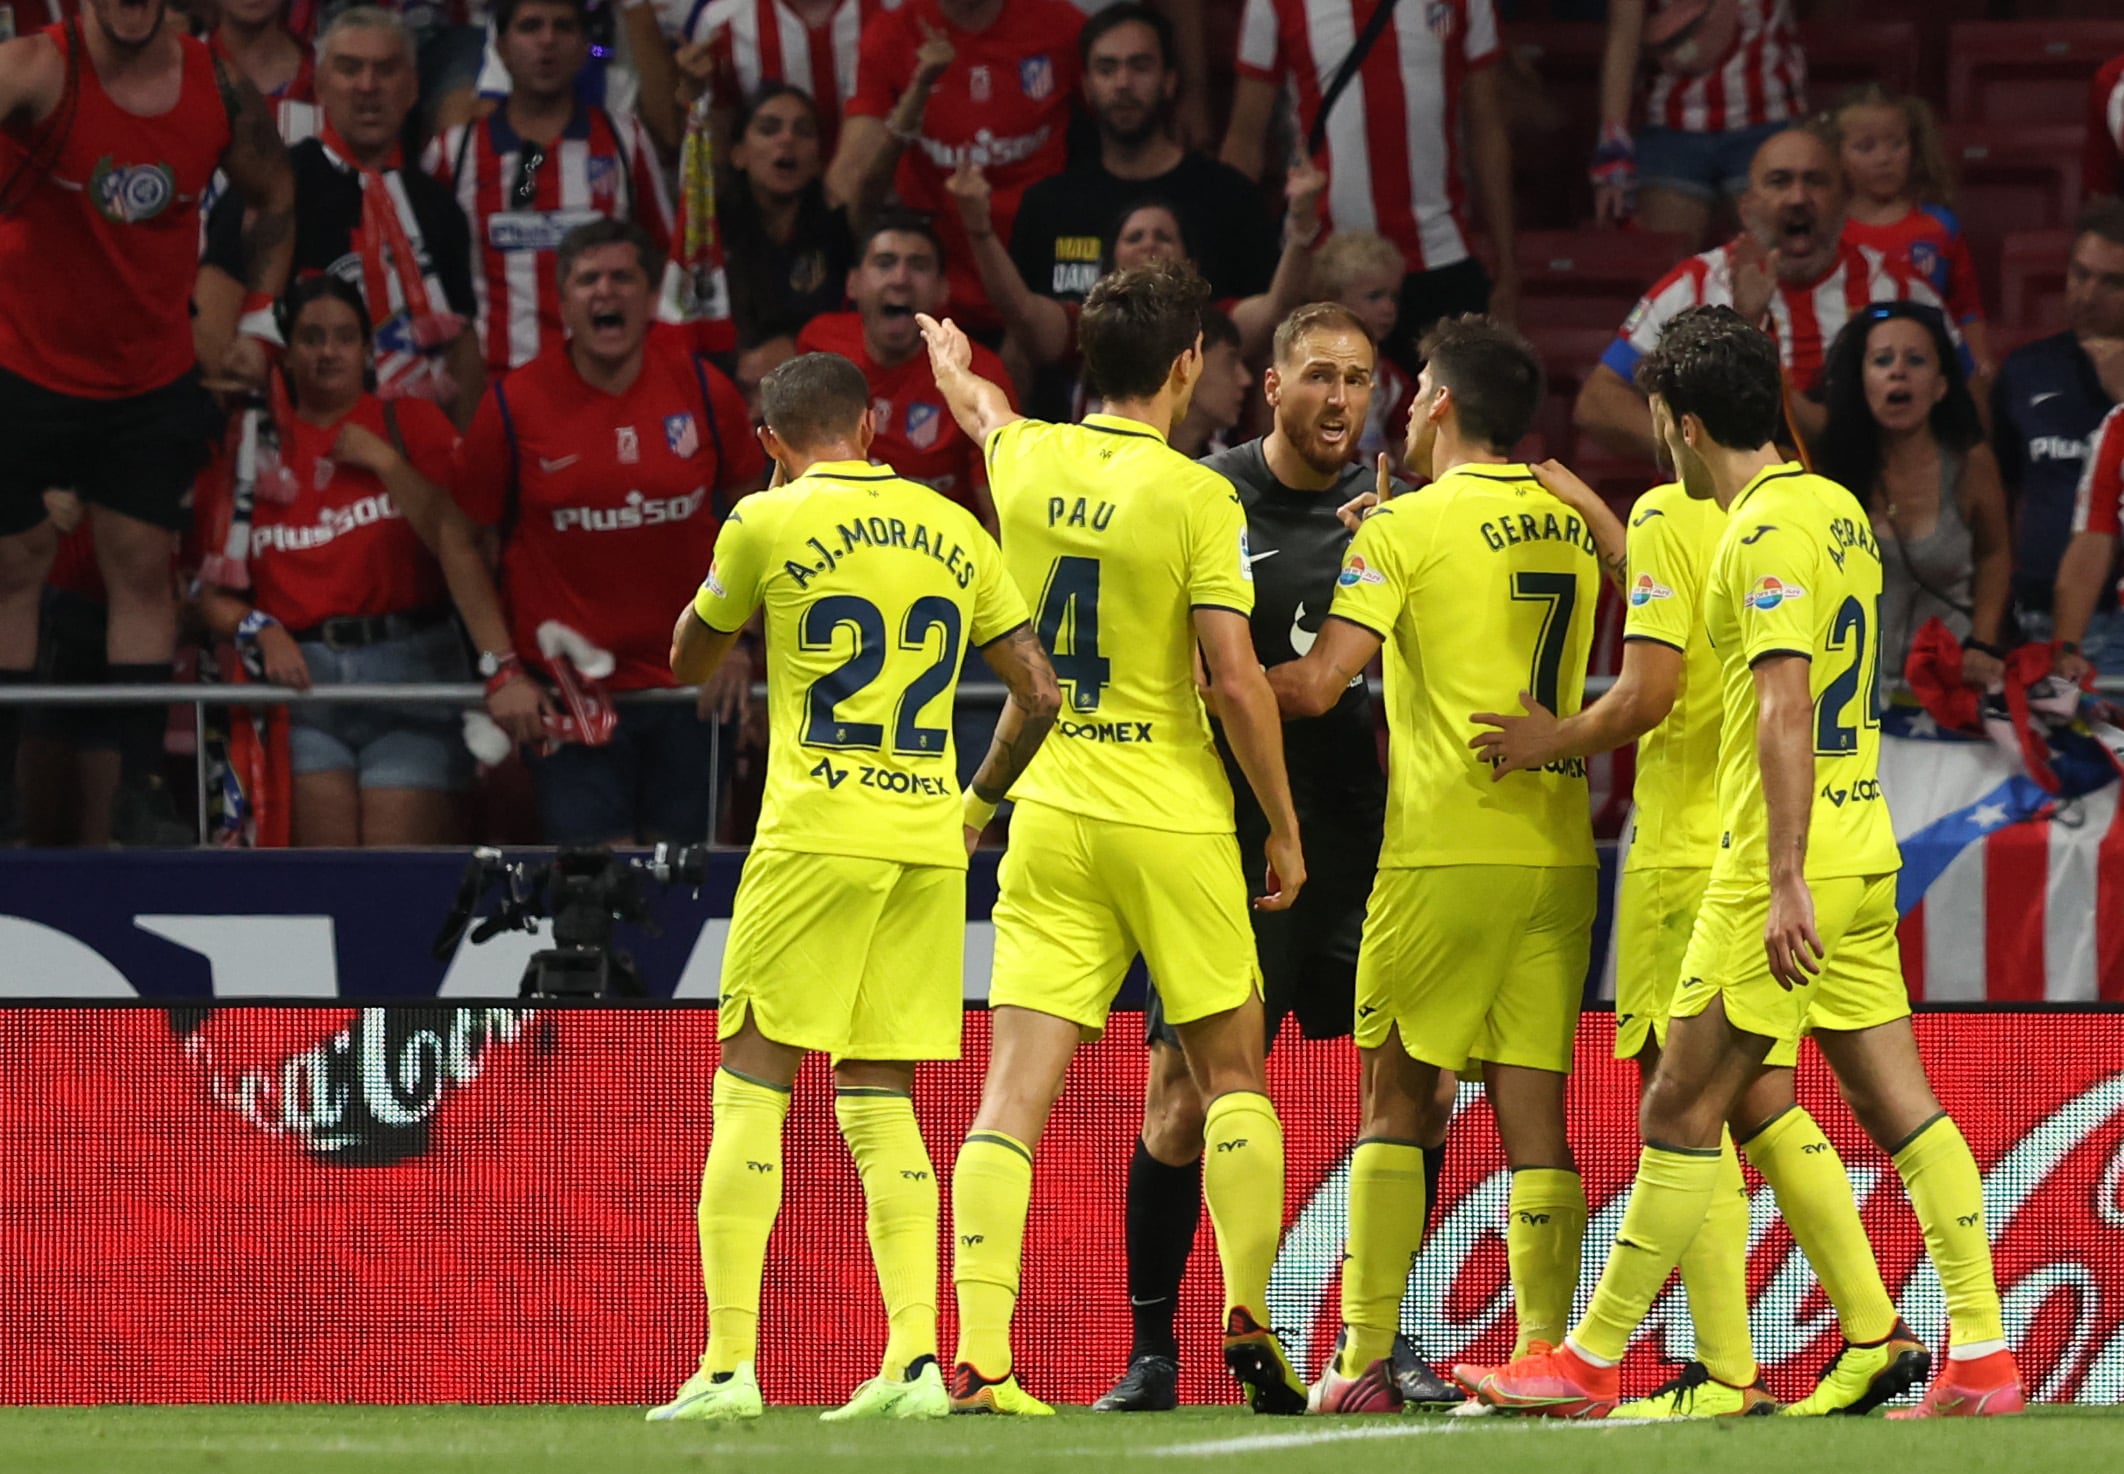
point(1861, 981)
point(1477, 962)
point(1654, 917)
point(856, 958)
point(1079, 898)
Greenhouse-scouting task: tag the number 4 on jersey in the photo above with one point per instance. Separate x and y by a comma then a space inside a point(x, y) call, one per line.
point(1068, 625)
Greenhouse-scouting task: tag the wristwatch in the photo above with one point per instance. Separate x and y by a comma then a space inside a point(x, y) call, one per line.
point(492, 664)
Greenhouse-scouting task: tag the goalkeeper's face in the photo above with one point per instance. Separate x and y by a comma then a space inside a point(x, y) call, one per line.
point(1322, 394)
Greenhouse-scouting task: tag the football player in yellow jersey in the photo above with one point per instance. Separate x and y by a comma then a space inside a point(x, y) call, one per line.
point(1122, 841)
point(1798, 922)
point(1477, 934)
point(849, 927)
point(1668, 700)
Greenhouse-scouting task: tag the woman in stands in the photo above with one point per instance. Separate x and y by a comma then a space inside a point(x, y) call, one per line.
point(336, 583)
point(1901, 188)
point(786, 246)
point(1903, 435)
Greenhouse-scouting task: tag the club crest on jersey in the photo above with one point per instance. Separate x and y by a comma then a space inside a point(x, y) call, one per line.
point(977, 84)
point(1771, 591)
point(601, 173)
point(1646, 589)
point(924, 423)
point(629, 446)
point(1357, 571)
point(131, 194)
point(682, 435)
point(1925, 256)
point(1036, 77)
point(1440, 17)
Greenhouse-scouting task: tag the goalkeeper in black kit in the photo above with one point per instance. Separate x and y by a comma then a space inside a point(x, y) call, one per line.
point(1294, 483)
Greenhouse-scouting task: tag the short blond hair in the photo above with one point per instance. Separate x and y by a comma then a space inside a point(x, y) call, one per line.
point(1350, 254)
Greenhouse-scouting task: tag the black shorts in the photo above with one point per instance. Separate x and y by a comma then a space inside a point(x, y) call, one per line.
point(1308, 953)
point(136, 456)
point(1427, 296)
point(70, 652)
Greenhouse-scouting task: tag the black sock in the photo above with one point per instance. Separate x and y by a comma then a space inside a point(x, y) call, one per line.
point(141, 728)
point(1433, 1169)
point(1164, 1205)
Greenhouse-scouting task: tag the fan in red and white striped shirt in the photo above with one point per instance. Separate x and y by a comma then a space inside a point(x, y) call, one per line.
point(539, 165)
point(812, 44)
point(1762, 78)
point(1816, 282)
point(2103, 163)
point(2089, 566)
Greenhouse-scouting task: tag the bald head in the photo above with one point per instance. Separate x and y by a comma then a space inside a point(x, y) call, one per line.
point(1795, 202)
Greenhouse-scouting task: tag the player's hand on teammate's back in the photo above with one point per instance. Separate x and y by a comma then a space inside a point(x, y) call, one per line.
point(1517, 744)
point(1795, 947)
point(1563, 483)
point(1286, 872)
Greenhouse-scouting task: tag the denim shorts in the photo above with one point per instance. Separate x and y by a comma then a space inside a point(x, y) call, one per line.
point(1706, 165)
point(386, 746)
point(650, 782)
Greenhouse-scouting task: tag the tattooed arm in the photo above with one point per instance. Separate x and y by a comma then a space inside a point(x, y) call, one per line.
point(257, 165)
point(1034, 701)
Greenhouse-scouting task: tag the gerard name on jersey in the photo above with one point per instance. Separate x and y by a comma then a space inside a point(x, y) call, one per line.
point(1525, 527)
point(858, 533)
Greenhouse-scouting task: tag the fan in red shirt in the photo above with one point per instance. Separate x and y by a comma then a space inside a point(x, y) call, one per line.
point(111, 127)
point(609, 462)
point(326, 577)
point(900, 271)
point(944, 81)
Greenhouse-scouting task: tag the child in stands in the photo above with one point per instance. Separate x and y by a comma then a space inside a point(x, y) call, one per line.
point(1901, 192)
point(1362, 270)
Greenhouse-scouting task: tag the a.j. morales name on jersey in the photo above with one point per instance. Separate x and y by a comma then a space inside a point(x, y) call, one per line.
point(858, 533)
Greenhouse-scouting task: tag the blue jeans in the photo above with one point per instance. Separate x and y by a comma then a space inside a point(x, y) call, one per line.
point(386, 746)
point(650, 782)
point(1706, 165)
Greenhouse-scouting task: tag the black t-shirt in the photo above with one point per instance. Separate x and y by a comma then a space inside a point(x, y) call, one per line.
point(775, 288)
point(1296, 544)
point(2046, 405)
point(328, 215)
point(1065, 223)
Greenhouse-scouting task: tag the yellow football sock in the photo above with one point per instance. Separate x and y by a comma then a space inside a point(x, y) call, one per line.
point(1242, 1177)
point(1667, 1203)
point(900, 1196)
point(741, 1191)
point(1545, 1235)
point(1814, 1193)
point(1947, 1192)
point(1714, 1271)
point(1386, 1229)
point(991, 1192)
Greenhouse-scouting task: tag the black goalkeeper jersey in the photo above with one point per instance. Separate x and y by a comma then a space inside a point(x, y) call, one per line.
point(1296, 544)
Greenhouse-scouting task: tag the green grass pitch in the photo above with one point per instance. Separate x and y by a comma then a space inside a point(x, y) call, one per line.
point(531, 1440)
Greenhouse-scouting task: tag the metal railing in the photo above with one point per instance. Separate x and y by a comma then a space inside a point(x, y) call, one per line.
point(465, 696)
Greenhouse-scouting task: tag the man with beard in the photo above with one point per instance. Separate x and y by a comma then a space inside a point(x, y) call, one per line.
point(1065, 223)
point(1291, 483)
point(900, 271)
point(1789, 271)
point(114, 123)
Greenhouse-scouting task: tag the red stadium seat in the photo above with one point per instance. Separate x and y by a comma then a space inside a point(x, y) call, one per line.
point(2026, 71)
point(1843, 54)
point(1590, 278)
point(2013, 179)
point(2032, 282)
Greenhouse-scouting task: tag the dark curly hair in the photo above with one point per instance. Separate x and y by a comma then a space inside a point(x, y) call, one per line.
point(1849, 450)
point(1713, 364)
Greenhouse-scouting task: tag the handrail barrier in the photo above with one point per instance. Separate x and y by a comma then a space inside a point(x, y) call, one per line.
point(466, 695)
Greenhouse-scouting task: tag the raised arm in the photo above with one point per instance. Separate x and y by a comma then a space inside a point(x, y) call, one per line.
point(257, 165)
point(1026, 719)
point(1784, 746)
point(1246, 135)
point(1040, 324)
point(870, 148)
point(657, 102)
point(981, 408)
point(1256, 317)
point(1255, 732)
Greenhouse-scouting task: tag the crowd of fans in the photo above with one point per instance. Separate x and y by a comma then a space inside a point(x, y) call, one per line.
point(542, 252)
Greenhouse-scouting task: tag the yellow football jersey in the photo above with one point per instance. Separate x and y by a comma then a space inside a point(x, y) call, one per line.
point(1798, 572)
point(1114, 537)
point(874, 589)
point(1482, 585)
point(1672, 540)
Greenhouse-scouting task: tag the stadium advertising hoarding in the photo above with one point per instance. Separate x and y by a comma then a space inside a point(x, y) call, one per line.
point(483, 1204)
